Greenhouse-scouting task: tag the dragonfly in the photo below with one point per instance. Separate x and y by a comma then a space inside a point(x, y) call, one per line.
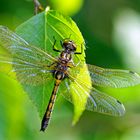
point(33, 66)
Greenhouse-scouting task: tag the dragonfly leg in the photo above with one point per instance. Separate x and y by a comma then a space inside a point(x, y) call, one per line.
point(78, 61)
point(81, 50)
point(52, 65)
point(54, 45)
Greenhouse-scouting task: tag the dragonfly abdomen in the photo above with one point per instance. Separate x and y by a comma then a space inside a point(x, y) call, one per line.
point(59, 75)
point(47, 115)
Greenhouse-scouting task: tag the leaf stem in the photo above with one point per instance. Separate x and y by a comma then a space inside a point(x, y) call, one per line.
point(37, 7)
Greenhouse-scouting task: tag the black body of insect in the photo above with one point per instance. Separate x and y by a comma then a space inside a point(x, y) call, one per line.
point(60, 72)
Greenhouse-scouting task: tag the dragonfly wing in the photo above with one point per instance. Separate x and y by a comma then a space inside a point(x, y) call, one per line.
point(96, 101)
point(19, 48)
point(103, 103)
point(112, 77)
point(26, 72)
point(65, 90)
point(30, 63)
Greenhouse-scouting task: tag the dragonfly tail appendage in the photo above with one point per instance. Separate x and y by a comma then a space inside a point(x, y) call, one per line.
point(47, 115)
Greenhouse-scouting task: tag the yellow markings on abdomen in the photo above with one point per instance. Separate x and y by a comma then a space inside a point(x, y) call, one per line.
point(47, 115)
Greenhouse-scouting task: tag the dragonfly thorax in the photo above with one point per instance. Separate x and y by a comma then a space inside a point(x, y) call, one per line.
point(69, 48)
point(65, 57)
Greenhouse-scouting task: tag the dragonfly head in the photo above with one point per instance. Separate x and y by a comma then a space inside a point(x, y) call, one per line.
point(69, 45)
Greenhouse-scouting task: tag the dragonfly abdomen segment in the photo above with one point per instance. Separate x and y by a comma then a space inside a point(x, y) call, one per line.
point(47, 115)
point(59, 75)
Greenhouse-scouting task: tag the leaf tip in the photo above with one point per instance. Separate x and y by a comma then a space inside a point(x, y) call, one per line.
point(74, 121)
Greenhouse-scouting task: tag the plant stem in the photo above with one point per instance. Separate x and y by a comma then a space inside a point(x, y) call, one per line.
point(37, 7)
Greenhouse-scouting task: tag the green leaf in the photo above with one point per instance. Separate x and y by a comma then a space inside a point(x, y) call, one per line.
point(40, 31)
point(11, 102)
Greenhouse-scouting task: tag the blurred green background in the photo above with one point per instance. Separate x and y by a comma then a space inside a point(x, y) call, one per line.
point(112, 33)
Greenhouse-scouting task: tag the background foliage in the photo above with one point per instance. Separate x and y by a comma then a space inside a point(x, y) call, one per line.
point(112, 32)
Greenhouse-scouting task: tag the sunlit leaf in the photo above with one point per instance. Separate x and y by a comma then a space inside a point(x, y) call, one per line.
point(41, 31)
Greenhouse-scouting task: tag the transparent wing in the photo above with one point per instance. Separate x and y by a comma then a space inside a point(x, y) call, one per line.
point(96, 101)
point(19, 48)
point(30, 63)
point(112, 77)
